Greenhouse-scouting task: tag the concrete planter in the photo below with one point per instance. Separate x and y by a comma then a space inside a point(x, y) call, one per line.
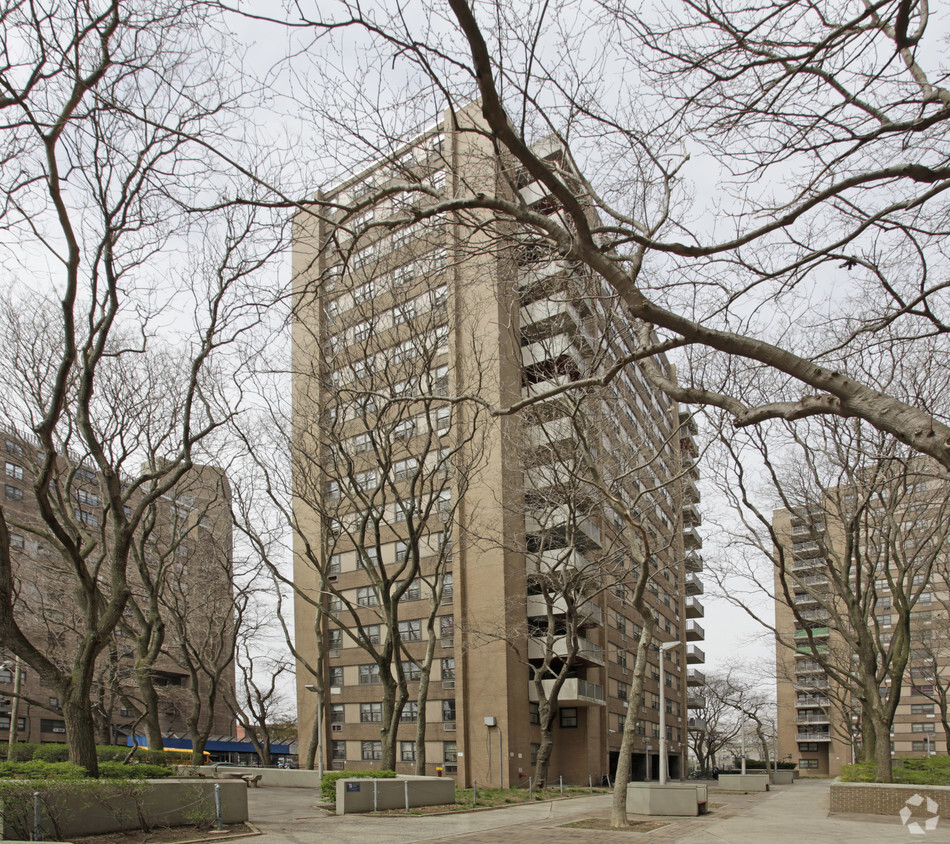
point(782, 777)
point(872, 798)
point(103, 807)
point(281, 777)
point(744, 782)
point(680, 799)
point(354, 796)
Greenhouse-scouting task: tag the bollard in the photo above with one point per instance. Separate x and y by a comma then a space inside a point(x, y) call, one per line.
point(530, 788)
point(406, 789)
point(608, 781)
point(375, 795)
point(474, 793)
point(590, 782)
point(217, 805)
point(561, 781)
point(37, 817)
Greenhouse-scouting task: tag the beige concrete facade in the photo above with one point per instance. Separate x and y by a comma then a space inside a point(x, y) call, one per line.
point(505, 339)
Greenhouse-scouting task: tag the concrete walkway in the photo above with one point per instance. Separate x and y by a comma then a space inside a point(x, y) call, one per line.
point(797, 813)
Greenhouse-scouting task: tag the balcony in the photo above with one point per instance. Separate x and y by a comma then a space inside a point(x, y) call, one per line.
point(694, 586)
point(692, 541)
point(805, 600)
point(588, 614)
point(694, 631)
point(696, 724)
point(545, 317)
point(574, 692)
point(588, 652)
point(553, 525)
point(546, 385)
point(552, 349)
point(554, 432)
point(812, 719)
point(557, 560)
point(812, 683)
point(690, 468)
point(694, 562)
point(549, 475)
point(694, 607)
point(808, 563)
point(691, 492)
point(695, 702)
point(812, 737)
point(816, 632)
point(695, 677)
point(695, 655)
point(812, 700)
point(687, 421)
point(806, 548)
point(691, 517)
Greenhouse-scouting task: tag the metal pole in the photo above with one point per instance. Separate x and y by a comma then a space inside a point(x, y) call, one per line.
point(561, 781)
point(320, 733)
point(590, 783)
point(14, 707)
point(501, 767)
point(375, 795)
point(474, 793)
point(531, 788)
point(405, 784)
point(663, 763)
point(743, 746)
point(37, 817)
point(775, 749)
point(217, 805)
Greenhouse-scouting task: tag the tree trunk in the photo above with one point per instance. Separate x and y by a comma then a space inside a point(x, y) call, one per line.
point(544, 753)
point(80, 731)
point(390, 722)
point(150, 719)
point(882, 751)
point(310, 758)
point(422, 699)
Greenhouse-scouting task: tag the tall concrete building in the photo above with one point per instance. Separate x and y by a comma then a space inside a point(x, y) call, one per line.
point(190, 539)
point(887, 542)
point(393, 326)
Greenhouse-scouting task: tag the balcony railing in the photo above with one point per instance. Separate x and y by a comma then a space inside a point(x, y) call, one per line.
point(695, 655)
point(694, 586)
point(812, 737)
point(694, 607)
point(695, 677)
point(694, 631)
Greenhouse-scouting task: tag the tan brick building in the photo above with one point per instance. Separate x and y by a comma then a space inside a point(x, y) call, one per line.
point(191, 537)
point(461, 306)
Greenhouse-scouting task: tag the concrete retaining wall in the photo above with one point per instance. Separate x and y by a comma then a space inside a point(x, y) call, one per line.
point(282, 777)
point(354, 796)
point(74, 812)
point(782, 777)
point(744, 782)
point(680, 799)
point(870, 798)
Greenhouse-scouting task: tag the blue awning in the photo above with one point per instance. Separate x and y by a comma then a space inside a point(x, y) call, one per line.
point(211, 746)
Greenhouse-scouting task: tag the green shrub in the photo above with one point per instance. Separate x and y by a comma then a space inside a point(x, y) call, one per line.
point(120, 771)
point(40, 770)
point(51, 753)
point(20, 752)
point(328, 784)
point(934, 770)
point(111, 752)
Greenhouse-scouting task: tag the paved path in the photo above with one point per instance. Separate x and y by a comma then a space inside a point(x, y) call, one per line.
point(797, 813)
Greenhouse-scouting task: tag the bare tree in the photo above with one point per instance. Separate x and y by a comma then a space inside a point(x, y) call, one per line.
point(101, 105)
point(713, 726)
point(853, 551)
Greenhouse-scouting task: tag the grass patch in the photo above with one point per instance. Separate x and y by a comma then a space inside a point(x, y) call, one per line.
point(604, 823)
point(934, 770)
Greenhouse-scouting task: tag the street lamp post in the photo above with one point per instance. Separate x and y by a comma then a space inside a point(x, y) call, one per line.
point(666, 646)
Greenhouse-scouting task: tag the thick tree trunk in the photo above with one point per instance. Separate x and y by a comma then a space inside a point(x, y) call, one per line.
point(882, 751)
point(150, 720)
point(311, 756)
point(422, 699)
point(80, 731)
point(389, 729)
point(541, 770)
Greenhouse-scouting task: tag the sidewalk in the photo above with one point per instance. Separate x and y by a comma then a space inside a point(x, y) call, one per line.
point(796, 813)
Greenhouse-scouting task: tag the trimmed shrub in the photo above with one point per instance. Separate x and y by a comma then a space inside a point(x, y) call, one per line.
point(111, 752)
point(37, 769)
point(21, 751)
point(120, 771)
point(328, 784)
point(51, 753)
point(934, 770)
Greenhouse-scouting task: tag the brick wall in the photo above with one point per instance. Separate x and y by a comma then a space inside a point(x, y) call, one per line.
point(880, 799)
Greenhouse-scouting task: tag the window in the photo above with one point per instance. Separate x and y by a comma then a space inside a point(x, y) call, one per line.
point(14, 447)
point(807, 763)
point(411, 670)
point(361, 332)
point(362, 443)
point(404, 430)
point(371, 633)
point(407, 751)
point(921, 709)
point(448, 668)
point(413, 592)
point(54, 703)
point(14, 470)
point(334, 639)
point(534, 753)
point(365, 481)
point(622, 689)
point(621, 658)
point(366, 597)
point(410, 631)
point(403, 470)
point(925, 727)
point(371, 713)
point(447, 587)
point(12, 493)
point(364, 293)
point(335, 564)
point(336, 676)
point(337, 713)
point(333, 490)
point(86, 497)
point(567, 716)
point(446, 626)
point(338, 750)
point(808, 746)
point(449, 752)
point(371, 751)
point(404, 313)
point(50, 726)
point(87, 517)
point(334, 603)
point(16, 540)
point(410, 712)
point(621, 723)
point(443, 419)
point(369, 674)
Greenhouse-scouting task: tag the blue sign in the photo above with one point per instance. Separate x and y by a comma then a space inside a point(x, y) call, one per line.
point(352, 786)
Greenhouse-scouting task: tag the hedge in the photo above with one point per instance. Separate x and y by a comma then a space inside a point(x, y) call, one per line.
point(328, 784)
point(66, 771)
point(933, 770)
